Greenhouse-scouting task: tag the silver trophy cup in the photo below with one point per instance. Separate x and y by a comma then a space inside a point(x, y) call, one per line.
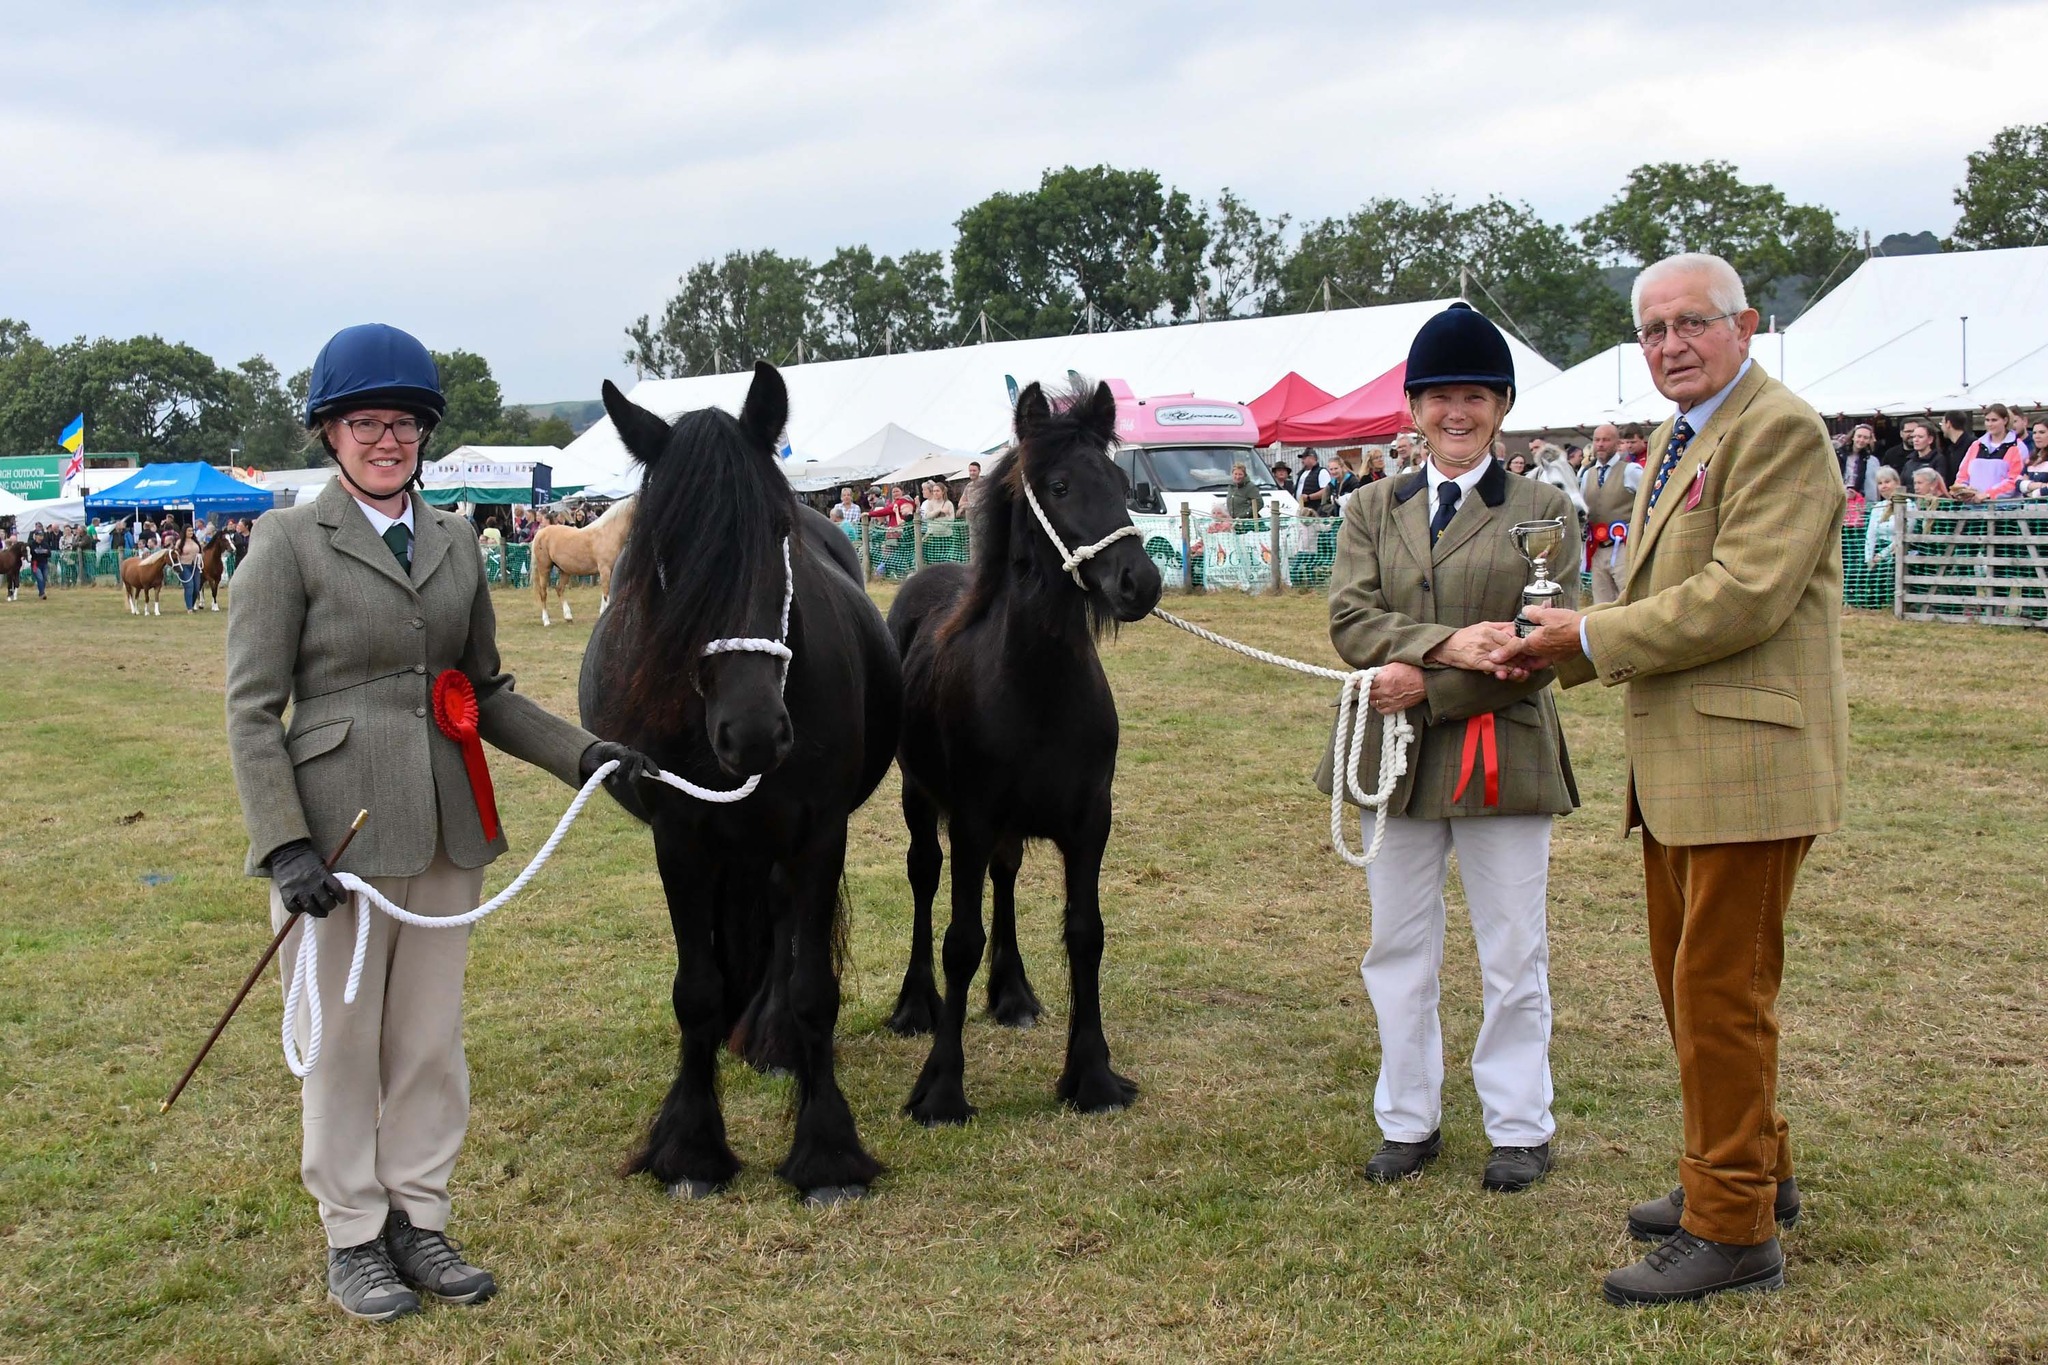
point(1537, 541)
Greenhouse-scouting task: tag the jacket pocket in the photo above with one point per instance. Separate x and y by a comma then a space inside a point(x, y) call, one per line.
point(1523, 712)
point(1740, 701)
point(317, 740)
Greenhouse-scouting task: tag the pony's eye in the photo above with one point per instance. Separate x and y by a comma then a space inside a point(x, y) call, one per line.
point(1058, 487)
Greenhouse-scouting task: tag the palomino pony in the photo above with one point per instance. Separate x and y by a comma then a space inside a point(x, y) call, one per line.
point(1010, 732)
point(13, 559)
point(742, 645)
point(591, 549)
point(142, 578)
point(213, 566)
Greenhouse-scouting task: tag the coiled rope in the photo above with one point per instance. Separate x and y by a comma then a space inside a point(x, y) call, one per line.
point(304, 986)
point(1396, 735)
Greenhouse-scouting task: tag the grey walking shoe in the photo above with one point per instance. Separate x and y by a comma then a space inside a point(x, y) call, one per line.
point(1510, 1170)
point(1684, 1267)
point(1400, 1160)
point(433, 1264)
point(363, 1283)
point(1655, 1219)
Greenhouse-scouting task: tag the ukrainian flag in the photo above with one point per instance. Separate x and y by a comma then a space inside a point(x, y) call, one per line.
point(73, 438)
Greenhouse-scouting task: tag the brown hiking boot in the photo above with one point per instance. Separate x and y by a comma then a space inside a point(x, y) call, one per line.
point(1685, 1267)
point(1655, 1219)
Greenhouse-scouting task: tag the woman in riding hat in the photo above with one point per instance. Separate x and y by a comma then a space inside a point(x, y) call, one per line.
point(1425, 573)
point(351, 609)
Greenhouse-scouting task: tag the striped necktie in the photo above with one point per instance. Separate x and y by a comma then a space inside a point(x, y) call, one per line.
point(1681, 437)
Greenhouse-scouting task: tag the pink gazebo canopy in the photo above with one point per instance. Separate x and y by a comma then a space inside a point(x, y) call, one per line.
point(1371, 412)
point(1291, 396)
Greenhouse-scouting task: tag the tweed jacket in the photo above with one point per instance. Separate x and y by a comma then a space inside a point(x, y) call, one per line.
point(1728, 631)
point(323, 618)
point(1393, 599)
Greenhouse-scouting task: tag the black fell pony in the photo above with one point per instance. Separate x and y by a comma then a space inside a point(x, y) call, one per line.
point(753, 887)
point(1010, 733)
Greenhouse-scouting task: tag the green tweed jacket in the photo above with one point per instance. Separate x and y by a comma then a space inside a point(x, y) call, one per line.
point(323, 618)
point(1728, 632)
point(1393, 599)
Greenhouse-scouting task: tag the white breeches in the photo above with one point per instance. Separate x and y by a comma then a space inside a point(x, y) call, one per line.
point(1504, 862)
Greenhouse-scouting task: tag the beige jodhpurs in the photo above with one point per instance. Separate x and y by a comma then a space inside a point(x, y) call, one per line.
point(386, 1108)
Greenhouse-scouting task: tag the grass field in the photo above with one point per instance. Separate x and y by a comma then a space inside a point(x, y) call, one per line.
point(1220, 1219)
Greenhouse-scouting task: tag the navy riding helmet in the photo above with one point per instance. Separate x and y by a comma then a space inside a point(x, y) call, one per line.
point(374, 366)
point(1460, 346)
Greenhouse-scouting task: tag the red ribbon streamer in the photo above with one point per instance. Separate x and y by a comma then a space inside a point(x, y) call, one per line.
point(1479, 739)
point(455, 712)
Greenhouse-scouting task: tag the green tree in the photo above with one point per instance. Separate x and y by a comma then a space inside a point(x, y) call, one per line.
point(266, 426)
point(2004, 194)
point(727, 314)
point(1530, 276)
point(1782, 250)
point(163, 400)
point(1100, 248)
point(866, 305)
point(1245, 255)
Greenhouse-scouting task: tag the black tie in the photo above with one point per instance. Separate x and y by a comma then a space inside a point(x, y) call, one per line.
point(1446, 508)
point(399, 537)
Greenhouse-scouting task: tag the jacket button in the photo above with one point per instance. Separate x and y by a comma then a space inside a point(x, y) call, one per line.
point(419, 668)
point(419, 623)
point(420, 711)
point(1425, 585)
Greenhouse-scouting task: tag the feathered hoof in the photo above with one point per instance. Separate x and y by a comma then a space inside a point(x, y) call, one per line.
point(1097, 1090)
point(917, 1013)
point(831, 1196)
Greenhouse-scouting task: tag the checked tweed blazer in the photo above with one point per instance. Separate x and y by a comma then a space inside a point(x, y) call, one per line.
point(1393, 599)
point(1728, 631)
point(323, 617)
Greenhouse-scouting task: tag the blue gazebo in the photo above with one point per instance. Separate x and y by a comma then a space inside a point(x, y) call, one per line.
point(196, 488)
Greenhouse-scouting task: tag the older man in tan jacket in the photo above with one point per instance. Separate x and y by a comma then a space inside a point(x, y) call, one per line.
point(1728, 638)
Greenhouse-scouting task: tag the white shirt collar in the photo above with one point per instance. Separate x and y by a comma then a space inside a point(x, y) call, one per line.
point(1703, 413)
point(381, 523)
point(1466, 481)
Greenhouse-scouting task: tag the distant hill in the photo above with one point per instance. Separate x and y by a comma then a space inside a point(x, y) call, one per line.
point(581, 415)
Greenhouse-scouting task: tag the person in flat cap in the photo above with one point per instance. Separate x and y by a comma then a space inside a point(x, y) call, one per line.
point(1425, 582)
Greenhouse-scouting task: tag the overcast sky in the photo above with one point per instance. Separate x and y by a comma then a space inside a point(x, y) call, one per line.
point(523, 180)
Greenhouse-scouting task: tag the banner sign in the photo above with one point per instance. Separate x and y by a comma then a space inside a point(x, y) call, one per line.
point(35, 478)
point(543, 483)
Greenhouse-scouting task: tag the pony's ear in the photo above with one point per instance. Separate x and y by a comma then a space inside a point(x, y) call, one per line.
point(1098, 413)
point(1033, 412)
point(766, 412)
point(645, 435)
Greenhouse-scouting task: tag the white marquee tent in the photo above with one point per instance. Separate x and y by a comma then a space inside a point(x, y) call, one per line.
point(958, 396)
point(889, 448)
point(1890, 338)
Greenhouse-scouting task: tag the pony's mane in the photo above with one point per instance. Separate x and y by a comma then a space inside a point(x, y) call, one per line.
point(712, 513)
point(1003, 529)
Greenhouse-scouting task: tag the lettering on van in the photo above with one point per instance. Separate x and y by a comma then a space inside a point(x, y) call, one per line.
point(1196, 415)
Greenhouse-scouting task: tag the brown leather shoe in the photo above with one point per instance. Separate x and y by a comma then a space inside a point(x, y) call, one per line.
point(1400, 1160)
point(1655, 1219)
point(1685, 1267)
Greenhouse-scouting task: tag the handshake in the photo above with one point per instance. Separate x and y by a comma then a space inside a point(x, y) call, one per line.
point(1488, 647)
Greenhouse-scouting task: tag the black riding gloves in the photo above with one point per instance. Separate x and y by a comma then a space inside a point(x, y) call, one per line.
point(634, 766)
point(303, 882)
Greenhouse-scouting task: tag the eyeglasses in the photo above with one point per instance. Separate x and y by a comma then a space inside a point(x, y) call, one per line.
point(1689, 326)
point(370, 430)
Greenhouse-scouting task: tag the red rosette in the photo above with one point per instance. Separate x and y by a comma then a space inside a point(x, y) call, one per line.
point(455, 712)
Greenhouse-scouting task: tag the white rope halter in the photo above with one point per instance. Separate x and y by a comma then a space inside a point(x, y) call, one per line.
point(1072, 560)
point(304, 985)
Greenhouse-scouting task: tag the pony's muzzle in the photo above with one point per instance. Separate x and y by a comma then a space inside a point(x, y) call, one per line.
point(1134, 586)
point(747, 746)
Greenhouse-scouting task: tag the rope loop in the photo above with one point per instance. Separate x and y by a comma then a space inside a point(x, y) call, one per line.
point(1072, 560)
point(1353, 715)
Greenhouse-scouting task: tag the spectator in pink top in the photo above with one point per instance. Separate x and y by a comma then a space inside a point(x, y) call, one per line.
point(1992, 466)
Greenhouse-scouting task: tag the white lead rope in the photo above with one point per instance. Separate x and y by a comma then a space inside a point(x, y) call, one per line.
point(305, 979)
point(1072, 560)
point(1396, 734)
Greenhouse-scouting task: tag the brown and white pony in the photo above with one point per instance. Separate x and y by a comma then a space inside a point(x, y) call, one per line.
point(213, 566)
point(592, 549)
point(142, 578)
point(13, 559)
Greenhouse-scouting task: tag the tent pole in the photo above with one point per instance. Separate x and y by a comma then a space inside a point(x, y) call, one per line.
point(1966, 352)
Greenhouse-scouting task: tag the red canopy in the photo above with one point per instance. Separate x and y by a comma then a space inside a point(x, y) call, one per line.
point(1291, 396)
point(1372, 412)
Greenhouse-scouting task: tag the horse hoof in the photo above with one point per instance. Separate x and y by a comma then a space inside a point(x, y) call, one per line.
point(831, 1196)
point(1016, 1011)
point(1099, 1091)
point(686, 1188)
point(915, 1015)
